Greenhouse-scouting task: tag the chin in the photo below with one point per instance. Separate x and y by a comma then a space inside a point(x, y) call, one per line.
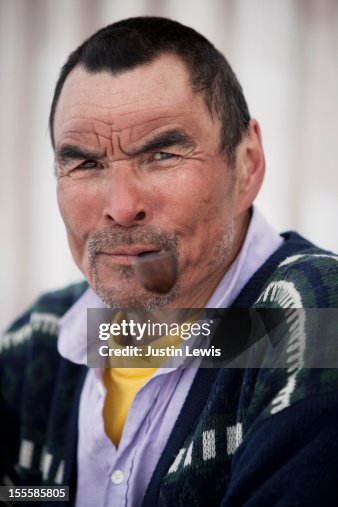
point(128, 298)
point(124, 291)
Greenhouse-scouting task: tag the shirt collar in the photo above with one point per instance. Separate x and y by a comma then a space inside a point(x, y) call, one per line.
point(72, 341)
point(261, 241)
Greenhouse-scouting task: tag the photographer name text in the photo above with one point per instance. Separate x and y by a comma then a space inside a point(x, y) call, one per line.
point(149, 351)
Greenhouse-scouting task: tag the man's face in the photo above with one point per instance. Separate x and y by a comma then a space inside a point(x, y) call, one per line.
point(139, 170)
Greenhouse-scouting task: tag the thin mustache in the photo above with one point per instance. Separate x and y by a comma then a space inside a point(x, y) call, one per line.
point(116, 238)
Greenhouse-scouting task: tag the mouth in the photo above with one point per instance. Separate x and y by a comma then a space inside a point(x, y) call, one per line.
point(126, 256)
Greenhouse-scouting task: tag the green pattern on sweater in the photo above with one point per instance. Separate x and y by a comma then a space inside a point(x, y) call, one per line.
point(35, 433)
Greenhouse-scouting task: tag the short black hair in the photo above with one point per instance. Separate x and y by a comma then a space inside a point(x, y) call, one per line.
point(138, 41)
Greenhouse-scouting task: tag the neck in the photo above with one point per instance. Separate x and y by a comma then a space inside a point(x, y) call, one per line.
point(198, 296)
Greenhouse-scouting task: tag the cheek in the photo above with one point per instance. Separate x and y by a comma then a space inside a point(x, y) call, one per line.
point(199, 213)
point(78, 207)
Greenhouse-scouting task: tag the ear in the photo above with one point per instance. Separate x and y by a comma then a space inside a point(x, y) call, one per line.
point(250, 167)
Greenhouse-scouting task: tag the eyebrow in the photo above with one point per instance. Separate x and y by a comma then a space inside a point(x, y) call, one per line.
point(164, 140)
point(71, 152)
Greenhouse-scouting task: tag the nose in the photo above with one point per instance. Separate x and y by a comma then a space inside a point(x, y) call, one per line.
point(125, 201)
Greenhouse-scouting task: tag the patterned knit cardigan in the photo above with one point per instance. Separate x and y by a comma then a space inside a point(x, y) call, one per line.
point(253, 437)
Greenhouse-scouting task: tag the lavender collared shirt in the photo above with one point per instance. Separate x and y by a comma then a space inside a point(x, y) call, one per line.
point(119, 476)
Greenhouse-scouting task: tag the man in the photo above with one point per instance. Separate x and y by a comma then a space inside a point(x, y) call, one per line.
point(155, 151)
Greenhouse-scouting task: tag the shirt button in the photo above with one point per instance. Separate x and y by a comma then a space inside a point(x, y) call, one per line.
point(117, 477)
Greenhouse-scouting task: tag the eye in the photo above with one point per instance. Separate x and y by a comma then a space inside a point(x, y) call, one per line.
point(88, 164)
point(161, 155)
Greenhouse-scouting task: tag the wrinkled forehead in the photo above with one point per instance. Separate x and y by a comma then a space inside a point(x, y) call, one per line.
point(142, 95)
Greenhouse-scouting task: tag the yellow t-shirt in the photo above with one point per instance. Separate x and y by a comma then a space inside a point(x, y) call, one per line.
point(122, 384)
